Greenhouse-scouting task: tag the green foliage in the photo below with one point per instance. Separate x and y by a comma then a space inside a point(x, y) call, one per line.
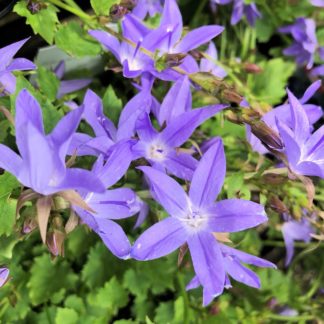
point(269, 86)
point(48, 82)
point(101, 7)
point(43, 22)
point(73, 39)
point(112, 105)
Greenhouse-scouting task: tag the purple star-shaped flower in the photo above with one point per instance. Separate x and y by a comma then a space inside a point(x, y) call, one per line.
point(317, 3)
point(8, 65)
point(41, 163)
point(283, 114)
point(194, 219)
point(293, 230)
point(305, 42)
point(239, 9)
point(166, 39)
point(304, 150)
point(113, 204)
point(4, 274)
point(68, 86)
point(144, 7)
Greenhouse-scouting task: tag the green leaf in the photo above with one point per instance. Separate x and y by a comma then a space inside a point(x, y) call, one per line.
point(43, 22)
point(164, 313)
point(269, 86)
point(111, 297)
point(101, 7)
point(112, 105)
point(72, 39)
point(48, 278)
point(48, 82)
point(66, 316)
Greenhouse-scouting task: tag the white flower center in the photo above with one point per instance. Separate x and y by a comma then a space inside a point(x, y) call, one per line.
point(157, 152)
point(195, 220)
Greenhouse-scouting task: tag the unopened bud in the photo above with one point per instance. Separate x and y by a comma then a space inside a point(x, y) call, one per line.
point(129, 4)
point(29, 225)
point(252, 68)
point(55, 243)
point(266, 135)
point(35, 6)
point(117, 12)
point(277, 205)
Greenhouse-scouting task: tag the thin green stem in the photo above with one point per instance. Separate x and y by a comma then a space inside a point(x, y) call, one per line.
point(185, 300)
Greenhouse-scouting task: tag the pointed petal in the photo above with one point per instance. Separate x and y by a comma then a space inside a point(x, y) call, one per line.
point(8, 81)
point(193, 284)
point(7, 53)
point(237, 12)
point(93, 114)
point(310, 91)
point(10, 161)
point(292, 148)
point(241, 273)
point(145, 129)
point(109, 41)
point(114, 204)
point(246, 257)
point(181, 165)
point(133, 28)
point(181, 128)
point(300, 121)
point(59, 70)
point(167, 192)
point(177, 101)
point(234, 215)
point(314, 147)
point(117, 164)
point(209, 176)
point(198, 37)
point(27, 111)
point(62, 134)
point(133, 109)
point(80, 179)
point(21, 64)
point(144, 210)
point(208, 264)
point(114, 238)
point(70, 86)
point(159, 240)
point(289, 243)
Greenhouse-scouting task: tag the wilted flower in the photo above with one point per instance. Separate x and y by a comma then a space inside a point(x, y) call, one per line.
point(8, 65)
point(239, 8)
point(195, 218)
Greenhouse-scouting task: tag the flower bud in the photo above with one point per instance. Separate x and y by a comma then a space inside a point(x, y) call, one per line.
point(117, 12)
point(252, 68)
point(55, 243)
point(29, 225)
point(4, 276)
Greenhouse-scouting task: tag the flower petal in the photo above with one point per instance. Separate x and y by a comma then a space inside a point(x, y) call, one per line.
point(209, 176)
point(310, 91)
point(234, 215)
point(70, 86)
point(145, 129)
point(10, 161)
point(21, 64)
point(177, 101)
point(181, 128)
point(198, 37)
point(167, 192)
point(208, 264)
point(159, 240)
point(7, 53)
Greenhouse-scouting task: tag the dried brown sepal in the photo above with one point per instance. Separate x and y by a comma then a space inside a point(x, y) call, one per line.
point(252, 68)
point(222, 237)
point(72, 222)
point(24, 197)
point(75, 199)
point(182, 252)
point(7, 114)
point(277, 205)
point(43, 207)
point(117, 12)
point(310, 188)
